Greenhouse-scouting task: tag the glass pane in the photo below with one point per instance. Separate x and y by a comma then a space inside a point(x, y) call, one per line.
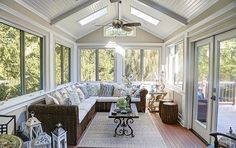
point(106, 65)
point(227, 84)
point(179, 63)
point(151, 65)
point(66, 54)
point(10, 82)
point(88, 65)
point(32, 63)
point(203, 81)
point(58, 64)
point(133, 63)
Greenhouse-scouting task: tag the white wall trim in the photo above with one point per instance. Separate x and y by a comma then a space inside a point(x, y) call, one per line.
point(121, 44)
point(227, 8)
point(21, 101)
point(66, 31)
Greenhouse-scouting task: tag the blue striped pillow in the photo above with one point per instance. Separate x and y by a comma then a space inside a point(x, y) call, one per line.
point(106, 90)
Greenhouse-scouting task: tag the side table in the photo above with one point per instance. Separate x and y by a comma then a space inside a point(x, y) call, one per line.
point(154, 100)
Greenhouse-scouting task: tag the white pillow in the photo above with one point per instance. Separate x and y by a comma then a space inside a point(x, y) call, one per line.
point(55, 101)
point(58, 96)
point(74, 98)
point(80, 93)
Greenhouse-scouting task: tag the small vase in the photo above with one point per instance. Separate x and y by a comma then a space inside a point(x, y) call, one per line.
point(128, 100)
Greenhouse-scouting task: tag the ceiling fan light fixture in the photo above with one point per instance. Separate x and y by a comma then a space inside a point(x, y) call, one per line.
point(144, 16)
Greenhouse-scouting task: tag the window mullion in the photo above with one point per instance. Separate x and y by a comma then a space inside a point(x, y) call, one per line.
point(62, 64)
point(41, 63)
point(97, 64)
point(22, 62)
point(141, 63)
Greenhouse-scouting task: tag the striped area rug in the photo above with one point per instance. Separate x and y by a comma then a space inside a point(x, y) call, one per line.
point(100, 134)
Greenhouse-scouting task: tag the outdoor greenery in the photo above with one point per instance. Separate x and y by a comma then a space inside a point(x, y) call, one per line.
point(106, 64)
point(88, 64)
point(19, 65)
point(179, 65)
point(62, 64)
point(132, 63)
point(151, 64)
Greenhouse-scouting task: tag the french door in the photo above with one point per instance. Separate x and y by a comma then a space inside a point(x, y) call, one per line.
point(214, 104)
point(203, 88)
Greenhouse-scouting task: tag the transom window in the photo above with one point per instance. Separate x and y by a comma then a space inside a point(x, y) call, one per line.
point(21, 68)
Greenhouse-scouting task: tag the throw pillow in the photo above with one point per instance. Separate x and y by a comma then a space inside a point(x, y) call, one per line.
point(106, 90)
point(93, 89)
point(55, 101)
point(80, 93)
point(58, 96)
point(74, 98)
point(84, 90)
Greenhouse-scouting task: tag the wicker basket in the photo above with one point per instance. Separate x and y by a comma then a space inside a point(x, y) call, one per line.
point(169, 113)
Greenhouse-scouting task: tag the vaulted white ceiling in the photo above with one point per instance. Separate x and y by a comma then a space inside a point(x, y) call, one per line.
point(65, 14)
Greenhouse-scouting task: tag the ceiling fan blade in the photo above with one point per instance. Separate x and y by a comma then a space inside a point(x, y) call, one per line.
point(113, 1)
point(126, 28)
point(132, 24)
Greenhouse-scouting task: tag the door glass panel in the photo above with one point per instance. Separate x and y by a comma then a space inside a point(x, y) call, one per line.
point(203, 81)
point(227, 86)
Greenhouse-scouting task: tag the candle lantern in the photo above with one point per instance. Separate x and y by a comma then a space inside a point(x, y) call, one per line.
point(42, 141)
point(33, 127)
point(59, 138)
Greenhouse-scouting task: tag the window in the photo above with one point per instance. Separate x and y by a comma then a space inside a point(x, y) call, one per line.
point(150, 64)
point(97, 64)
point(132, 63)
point(144, 16)
point(62, 64)
point(179, 63)
point(143, 64)
point(106, 65)
point(175, 64)
point(21, 65)
point(93, 16)
point(88, 64)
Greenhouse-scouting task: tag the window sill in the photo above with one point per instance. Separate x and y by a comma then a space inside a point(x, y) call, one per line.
point(19, 102)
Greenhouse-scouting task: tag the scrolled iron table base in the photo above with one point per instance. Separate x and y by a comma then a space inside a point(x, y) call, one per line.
point(123, 127)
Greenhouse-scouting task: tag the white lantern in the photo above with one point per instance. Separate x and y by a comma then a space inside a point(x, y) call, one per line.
point(42, 141)
point(33, 127)
point(59, 139)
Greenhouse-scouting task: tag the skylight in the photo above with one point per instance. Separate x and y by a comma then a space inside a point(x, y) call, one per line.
point(93, 16)
point(144, 16)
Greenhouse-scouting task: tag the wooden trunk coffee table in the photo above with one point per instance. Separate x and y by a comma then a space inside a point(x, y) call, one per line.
point(123, 120)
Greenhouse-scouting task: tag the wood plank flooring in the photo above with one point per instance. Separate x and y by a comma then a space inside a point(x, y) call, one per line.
point(176, 136)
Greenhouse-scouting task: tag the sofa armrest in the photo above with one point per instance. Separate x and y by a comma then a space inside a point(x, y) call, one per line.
point(50, 115)
point(142, 103)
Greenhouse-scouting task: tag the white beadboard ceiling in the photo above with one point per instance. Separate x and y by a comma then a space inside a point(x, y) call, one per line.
point(52, 9)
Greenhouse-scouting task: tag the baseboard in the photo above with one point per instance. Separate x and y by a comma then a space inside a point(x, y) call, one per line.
point(180, 120)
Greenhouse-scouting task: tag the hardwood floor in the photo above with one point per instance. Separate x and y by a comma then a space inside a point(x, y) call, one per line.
point(176, 136)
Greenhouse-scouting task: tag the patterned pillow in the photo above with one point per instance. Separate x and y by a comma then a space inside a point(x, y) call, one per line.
point(93, 89)
point(106, 90)
point(79, 92)
point(74, 98)
point(84, 90)
point(58, 96)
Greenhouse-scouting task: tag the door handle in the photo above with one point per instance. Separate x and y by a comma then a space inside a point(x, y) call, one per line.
point(213, 98)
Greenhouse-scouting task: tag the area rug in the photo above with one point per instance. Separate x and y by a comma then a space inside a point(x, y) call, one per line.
point(100, 134)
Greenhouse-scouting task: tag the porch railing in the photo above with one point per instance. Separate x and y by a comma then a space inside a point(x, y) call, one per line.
point(227, 91)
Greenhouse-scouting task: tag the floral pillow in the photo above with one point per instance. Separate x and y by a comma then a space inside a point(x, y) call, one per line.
point(93, 89)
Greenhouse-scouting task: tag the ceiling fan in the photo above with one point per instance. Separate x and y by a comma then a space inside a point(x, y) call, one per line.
point(118, 23)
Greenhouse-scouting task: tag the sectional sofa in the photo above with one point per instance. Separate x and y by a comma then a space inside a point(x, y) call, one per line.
point(78, 105)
